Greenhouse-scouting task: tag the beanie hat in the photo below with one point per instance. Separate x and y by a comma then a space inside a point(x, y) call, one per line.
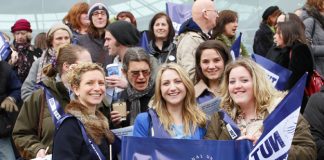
point(58, 26)
point(124, 32)
point(21, 25)
point(269, 11)
point(97, 6)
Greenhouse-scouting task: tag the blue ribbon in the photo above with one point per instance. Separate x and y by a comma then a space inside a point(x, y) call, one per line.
point(231, 126)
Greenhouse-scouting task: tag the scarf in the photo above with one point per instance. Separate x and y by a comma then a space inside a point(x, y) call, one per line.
point(47, 58)
point(315, 13)
point(134, 97)
point(25, 59)
point(96, 125)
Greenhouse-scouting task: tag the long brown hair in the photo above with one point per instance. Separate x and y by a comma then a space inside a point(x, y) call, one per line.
point(225, 17)
point(74, 14)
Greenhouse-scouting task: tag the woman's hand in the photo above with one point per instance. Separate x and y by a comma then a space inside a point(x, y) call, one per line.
point(14, 57)
point(116, 81)
point(41, 153)
point(115, 118)
point(254, 138)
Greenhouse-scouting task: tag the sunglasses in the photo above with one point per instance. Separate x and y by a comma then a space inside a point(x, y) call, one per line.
point(136, 74)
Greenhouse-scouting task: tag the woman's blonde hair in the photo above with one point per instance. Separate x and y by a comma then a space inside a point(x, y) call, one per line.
point(77, 70)
point(193, 117)
point(263, 91)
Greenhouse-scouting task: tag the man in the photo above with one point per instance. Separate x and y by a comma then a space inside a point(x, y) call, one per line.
point(120, 36)
point(94, 40)
point(193, 32)
point(9, 97)
point(24, 53)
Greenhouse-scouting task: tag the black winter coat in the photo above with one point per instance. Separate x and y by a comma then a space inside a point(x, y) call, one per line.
point(263, 40)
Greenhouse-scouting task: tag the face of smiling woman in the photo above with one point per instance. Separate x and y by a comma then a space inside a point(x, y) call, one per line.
point(92, 88)
point(240, 87)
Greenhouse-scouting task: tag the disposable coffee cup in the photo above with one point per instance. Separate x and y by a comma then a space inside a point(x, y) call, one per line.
point(121, 108)
point(112, 69)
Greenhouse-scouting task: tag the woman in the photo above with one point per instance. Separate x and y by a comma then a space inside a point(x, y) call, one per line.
point(34, 128)
point(137, 68)
point(225, 29)
point(87, 81)
point(313, 18)
point(263, 39)
point(248, 98)
point(297, 56)
point(126, 16)
point(58, 35)
point(77, 19)
point(161, 33)
point(175, 113)
point(211, 58)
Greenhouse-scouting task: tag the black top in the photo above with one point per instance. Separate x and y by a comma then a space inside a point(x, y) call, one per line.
point(263, 40)
point(69, 143)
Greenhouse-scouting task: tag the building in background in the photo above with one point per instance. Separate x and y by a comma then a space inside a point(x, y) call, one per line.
point(44, 13)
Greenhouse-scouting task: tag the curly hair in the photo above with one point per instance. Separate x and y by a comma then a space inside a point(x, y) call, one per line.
point(263, 91)
point(192, 115)
point(77, 70)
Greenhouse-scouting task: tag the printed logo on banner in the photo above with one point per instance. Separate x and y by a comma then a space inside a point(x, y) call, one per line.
point(202, 157)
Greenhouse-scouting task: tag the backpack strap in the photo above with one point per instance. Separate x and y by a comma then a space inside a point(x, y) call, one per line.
point(156, 127)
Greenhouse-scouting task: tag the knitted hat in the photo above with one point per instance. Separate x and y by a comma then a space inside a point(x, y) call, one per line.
point(124, 32)
point(58, 26)
point(21, 25)
point(97, 6)
point(269, 11)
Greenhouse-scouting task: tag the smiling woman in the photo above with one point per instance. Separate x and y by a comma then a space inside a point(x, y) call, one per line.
point(248, 98)
point(175, 113)
point(87, 81)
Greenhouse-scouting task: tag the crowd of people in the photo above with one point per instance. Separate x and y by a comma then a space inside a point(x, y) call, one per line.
point(60, 97)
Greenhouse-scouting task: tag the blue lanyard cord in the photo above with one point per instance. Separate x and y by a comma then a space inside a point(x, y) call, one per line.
point(93, 148)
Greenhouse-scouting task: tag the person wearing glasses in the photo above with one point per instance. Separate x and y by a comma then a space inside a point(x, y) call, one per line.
point(193, 32)
point(94, 40)
point(138, 69)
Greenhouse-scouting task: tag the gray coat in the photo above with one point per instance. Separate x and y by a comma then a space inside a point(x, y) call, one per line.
point(317, 40)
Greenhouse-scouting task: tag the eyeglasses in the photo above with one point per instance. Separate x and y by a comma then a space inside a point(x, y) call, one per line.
point(96, 14)
point(206, 10)
point(136, 74)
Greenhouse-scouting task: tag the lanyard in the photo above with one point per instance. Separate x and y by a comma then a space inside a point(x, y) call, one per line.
point(54, 106)
point(231, 126)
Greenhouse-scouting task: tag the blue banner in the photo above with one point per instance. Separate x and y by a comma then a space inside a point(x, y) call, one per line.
point(278, 75)
point(178, 13)
point(176, 149)
point(279, 126)
point(236, 47)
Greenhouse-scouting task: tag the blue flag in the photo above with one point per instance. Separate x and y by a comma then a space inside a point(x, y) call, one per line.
point(144, 42)
point(277, 74)
point(236, 46)
point(279, 126)
point(140, 148)
point(178, 13)
point(4, 48)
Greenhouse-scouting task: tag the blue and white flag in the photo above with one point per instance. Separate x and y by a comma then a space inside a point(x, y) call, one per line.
point(178, 13)
point(279, 126)
point(236, 47)
point(139, 148)
point(277, 74)
point(4, 48)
